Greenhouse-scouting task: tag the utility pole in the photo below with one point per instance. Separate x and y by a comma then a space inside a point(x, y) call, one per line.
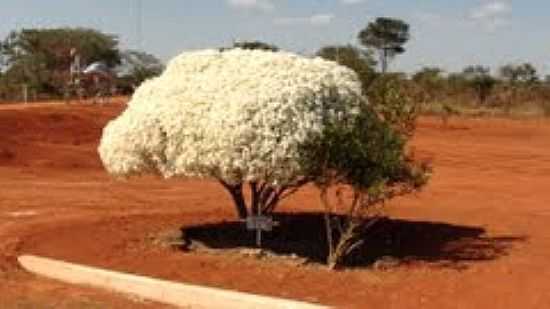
point(75, 70)
point(139, 24)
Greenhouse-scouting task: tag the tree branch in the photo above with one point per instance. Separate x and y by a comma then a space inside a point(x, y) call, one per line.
point(236, 192)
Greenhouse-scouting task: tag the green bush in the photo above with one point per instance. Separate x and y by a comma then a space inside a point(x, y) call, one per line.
point(394, 103)
point(367, 158)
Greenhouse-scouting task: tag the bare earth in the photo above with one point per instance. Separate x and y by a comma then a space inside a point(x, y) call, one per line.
point(477, 237)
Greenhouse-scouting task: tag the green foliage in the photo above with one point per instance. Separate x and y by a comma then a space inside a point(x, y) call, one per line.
point(367, 148)
point(368, 157)
point(480, 79)
point(429, 78)
point(518, 80)
point(365, 152)
point(253, 45)
point(360, 61)
point(3, 87)
point(524, 73)
point(386, 35)
point(456, 83)
point(518, 91)
point(430, 75)
point(431, 81)
point(136, 67)
point(390, 99)
point(41, 58)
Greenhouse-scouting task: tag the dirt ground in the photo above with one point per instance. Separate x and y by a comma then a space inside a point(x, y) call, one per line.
point(476, 237)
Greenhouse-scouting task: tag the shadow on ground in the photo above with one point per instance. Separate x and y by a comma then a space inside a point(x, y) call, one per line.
point(406, 241)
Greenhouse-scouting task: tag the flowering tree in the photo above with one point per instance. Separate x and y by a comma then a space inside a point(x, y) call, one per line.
point(239, 116)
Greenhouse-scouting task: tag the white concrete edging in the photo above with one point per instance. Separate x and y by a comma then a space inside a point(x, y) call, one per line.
point(161, 291)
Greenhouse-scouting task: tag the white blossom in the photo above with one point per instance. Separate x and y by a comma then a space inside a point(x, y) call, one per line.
point(237, 115)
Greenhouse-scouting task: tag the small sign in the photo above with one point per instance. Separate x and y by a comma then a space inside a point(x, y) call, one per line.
point(259, 223)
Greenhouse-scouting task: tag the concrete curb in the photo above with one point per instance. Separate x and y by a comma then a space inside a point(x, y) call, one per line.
point(177, 294)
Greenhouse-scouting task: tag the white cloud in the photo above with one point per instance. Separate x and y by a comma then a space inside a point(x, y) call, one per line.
point(321, 19)
point(313, 20)
point(429, 18)
point(490, 9)
point(263, 5)
point(491, 15)
point(351, 2)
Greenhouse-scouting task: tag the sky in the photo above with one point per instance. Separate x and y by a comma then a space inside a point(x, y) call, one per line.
point(446, 33)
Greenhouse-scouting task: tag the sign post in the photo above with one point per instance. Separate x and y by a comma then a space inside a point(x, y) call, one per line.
point(259, 223)
point(259, 230)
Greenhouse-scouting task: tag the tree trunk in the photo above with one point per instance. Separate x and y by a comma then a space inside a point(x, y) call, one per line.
point(254, 198)
point(263, 197)
point(332, 262)
point(331, 257)
point(236, 192)
point(384, 61)
point(240, 203)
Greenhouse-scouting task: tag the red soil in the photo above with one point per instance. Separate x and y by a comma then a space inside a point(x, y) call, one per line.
point(476, 237)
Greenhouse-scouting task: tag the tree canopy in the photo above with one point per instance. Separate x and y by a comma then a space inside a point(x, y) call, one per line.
point(524, 73)
point(252, 45)
point(251, 123)
point(481, 80)
point(386, 35)
point(431, 80)
point(135, 68)
point(41, 58)
point(360, 61)
point(255, 45)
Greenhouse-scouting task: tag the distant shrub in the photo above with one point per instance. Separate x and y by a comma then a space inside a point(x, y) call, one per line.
point(391, 100)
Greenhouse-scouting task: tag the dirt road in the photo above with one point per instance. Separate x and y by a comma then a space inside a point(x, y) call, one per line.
point(477, 237)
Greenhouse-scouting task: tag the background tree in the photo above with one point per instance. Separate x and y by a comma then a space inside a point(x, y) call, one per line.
point(3, 87)
point(386, 35)
point(517, 78)
point(360, 61)
point(456, 82)
point(428, 75)
point(136, 67)
point(41, 58)
point(481, 81)
point(431, 80)
point(524, 73)
point(259, 45)
point(393, 100)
